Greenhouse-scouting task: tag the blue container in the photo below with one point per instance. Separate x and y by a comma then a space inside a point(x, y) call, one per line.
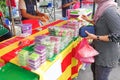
point(88, 28)
point(7, 21)
point(50, 4)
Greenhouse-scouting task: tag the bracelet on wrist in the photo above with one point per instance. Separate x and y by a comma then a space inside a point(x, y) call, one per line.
point(98, 37)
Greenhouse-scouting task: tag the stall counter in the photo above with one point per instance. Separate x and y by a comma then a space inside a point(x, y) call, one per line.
point(65, 65)
point(61, 68)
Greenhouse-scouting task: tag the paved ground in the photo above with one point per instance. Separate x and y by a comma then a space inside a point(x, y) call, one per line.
point(87, 74)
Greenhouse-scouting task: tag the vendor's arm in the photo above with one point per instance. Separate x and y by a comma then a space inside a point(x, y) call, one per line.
point(27, 15)
point(68, 4)
point(42, 14)
point(24, 13)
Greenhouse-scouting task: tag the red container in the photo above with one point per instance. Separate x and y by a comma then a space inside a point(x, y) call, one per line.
point(1, 14)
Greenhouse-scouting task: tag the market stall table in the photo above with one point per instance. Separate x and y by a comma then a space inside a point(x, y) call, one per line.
point(64, 67)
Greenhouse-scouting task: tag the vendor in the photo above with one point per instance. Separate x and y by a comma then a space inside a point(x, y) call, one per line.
point(67, 4)
point(29, 10)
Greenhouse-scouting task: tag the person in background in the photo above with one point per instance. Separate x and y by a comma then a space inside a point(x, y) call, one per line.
point(76, 5)
point(80, 3)
point(29, 10)
point(67, 4)
point(106, 39)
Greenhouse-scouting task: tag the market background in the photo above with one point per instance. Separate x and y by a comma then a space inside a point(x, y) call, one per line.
point(85, 73)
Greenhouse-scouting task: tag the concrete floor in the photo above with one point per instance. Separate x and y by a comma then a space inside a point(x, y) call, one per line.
point(87, 74)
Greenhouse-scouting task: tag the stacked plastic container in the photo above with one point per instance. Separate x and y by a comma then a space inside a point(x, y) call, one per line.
point(23, 57)
point(26, 29)
point(34, 61)
point(41, 50)
point(74, 25)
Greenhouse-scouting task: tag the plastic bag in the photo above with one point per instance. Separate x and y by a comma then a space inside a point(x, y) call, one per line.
point(84, 59)
point(85, 50)
point(87, 60)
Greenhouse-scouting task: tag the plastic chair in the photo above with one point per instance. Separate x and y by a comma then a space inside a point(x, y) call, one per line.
point(47, 7)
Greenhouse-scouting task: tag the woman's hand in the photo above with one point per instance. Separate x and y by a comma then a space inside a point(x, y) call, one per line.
point(85, 17)
point(95, 37)
point(90, 36)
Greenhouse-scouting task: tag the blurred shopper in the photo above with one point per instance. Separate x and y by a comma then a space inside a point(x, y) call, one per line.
point(67, 4)
point(107, 38)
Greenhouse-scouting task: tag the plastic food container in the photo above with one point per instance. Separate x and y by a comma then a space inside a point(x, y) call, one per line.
point(26, 28)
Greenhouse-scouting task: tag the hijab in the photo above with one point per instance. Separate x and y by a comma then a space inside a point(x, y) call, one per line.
point(102, 6)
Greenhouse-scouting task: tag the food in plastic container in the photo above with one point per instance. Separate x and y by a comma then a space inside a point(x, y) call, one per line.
point(34, 61)
point(23, 57)
point(26, 28)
